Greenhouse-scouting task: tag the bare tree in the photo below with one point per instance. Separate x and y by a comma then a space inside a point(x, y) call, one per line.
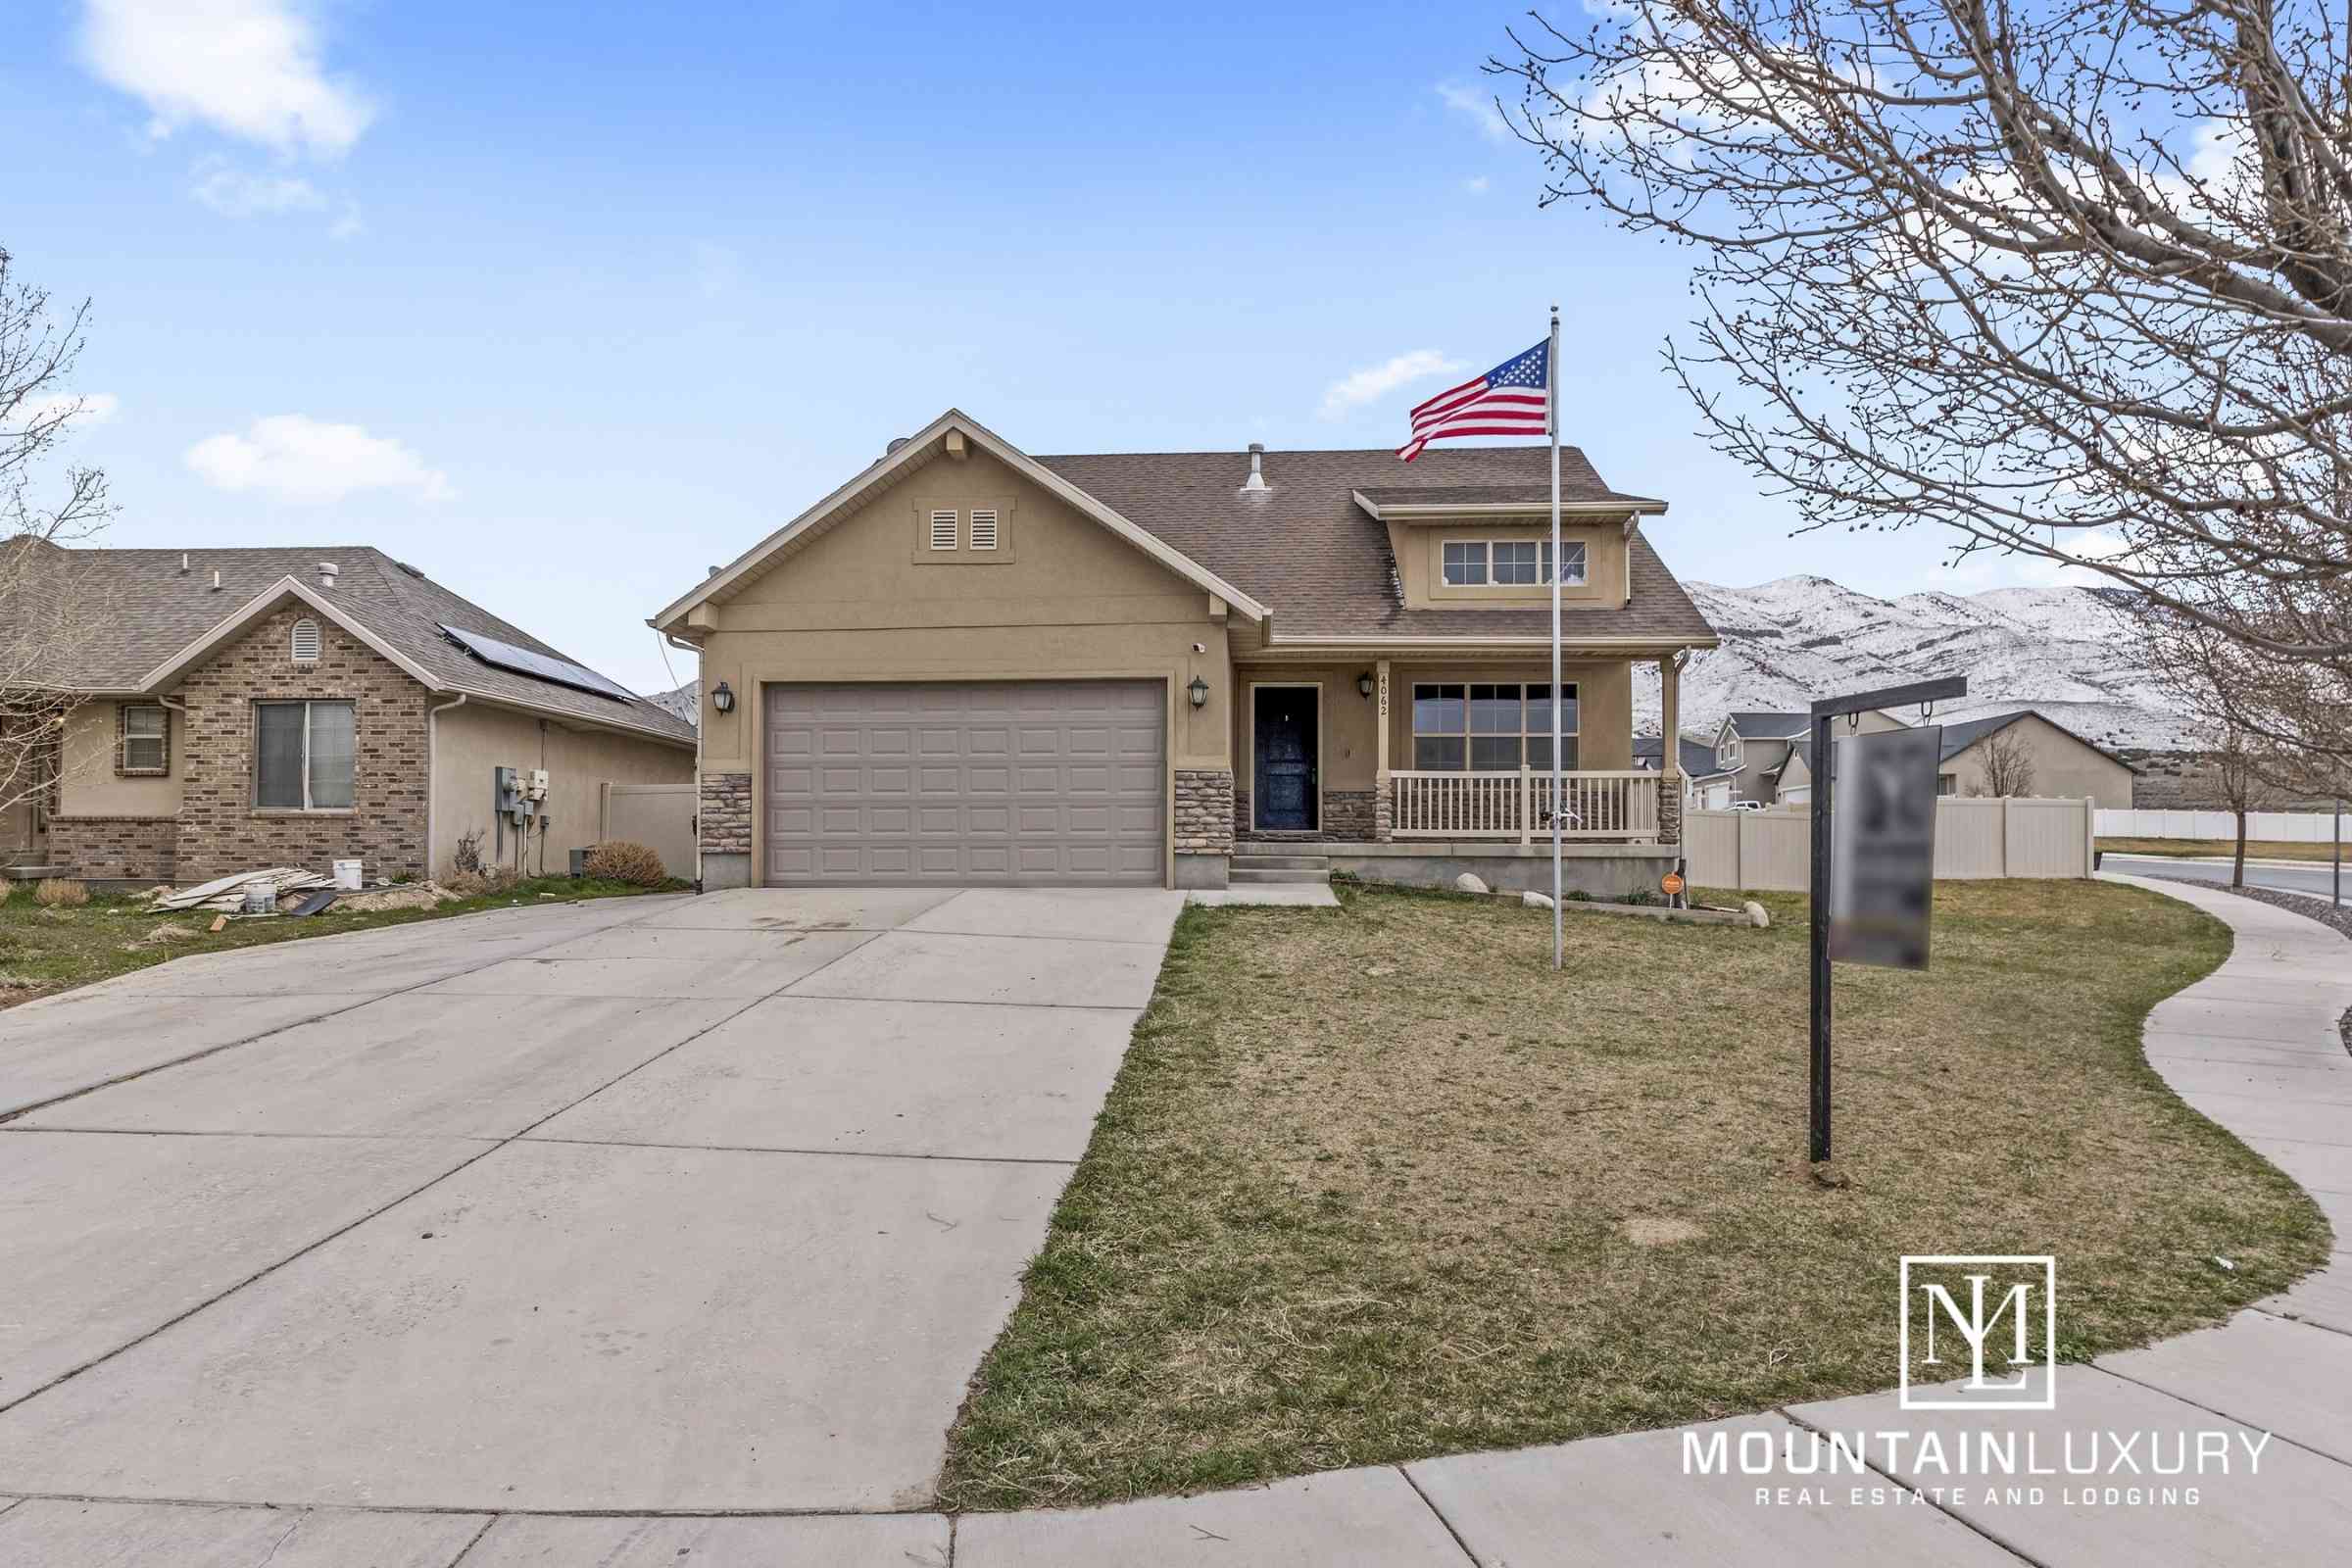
point(2241, 775)
point(2075, 280)
point(2008, 763)
point(47, 614)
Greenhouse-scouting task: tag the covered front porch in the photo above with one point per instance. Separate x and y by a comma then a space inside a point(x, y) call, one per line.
point(1448, 754)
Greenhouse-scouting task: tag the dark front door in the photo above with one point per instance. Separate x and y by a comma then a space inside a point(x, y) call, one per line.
point(1286, 759)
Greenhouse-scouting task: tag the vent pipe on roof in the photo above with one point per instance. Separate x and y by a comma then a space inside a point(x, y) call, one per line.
point(215, 579)
point(329, 571)
point(896, 442)
point(183, 562)
point(1257, 477)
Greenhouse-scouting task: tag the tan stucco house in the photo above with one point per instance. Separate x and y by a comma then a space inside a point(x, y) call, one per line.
point(2062, 764)
point(237, 709)
point(972, 664)
point(1766, 756)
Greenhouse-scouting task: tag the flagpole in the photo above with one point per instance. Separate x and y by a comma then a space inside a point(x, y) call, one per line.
point(1552, 383)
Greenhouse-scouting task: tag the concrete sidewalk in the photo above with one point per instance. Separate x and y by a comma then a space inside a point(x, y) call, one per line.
point(2253, 1046)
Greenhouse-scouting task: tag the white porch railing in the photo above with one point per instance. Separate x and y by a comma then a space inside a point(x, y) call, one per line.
point(1599, 805)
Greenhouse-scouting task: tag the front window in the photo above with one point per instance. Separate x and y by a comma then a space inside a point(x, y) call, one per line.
point(303, 756)
point(1490, 727)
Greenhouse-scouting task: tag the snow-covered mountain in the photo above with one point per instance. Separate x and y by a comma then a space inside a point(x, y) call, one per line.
point(2066, 651)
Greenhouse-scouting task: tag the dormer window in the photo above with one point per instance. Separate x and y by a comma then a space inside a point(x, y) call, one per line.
point(1511, 562)
point(306, 641)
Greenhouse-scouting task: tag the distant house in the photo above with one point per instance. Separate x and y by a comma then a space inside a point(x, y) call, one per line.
point(1706, 786)
point(248, 708)
point(2062, 764)
point(1756, 749)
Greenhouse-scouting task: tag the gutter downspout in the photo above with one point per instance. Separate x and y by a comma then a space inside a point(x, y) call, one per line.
point(432, 773)
point(699, 694)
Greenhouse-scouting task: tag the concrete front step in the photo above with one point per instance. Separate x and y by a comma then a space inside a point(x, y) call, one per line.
point(1276, 873)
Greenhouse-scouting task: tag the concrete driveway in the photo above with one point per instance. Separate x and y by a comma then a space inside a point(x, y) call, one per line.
point(649, 1205)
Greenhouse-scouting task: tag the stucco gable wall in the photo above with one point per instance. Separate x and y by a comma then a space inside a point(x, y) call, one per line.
point(1062, 597)
point(2064, 768)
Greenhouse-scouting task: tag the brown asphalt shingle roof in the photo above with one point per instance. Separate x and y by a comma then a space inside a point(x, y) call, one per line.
point(1306, 549)
point(152, 610)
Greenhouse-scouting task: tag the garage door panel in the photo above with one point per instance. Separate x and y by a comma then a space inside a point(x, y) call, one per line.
point(1018, 782)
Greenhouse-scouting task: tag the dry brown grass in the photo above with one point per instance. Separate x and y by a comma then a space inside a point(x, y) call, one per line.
point(2206, 849)
point(61, 893)
point(1376, 1185)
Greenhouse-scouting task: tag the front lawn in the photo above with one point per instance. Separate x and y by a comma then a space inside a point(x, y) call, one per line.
point(1373, 1184)
point(44, 950)
point(2222, 849)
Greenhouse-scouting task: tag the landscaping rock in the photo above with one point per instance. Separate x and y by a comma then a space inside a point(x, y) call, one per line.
point(1470, 883)
point(1536, 900)
point(1757, 916)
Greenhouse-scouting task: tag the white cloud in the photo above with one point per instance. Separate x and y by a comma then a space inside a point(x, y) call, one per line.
point(1477, 185)
point(1376, 381)
point(295, 458)
point(97, 408)
point(1479, 105)
point(249, 68)
point(234, 193)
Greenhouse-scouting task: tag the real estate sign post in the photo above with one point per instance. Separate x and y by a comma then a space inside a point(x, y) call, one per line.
point(1884, 841)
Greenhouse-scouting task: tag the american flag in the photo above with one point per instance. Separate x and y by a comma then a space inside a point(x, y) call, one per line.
point(1511, 399)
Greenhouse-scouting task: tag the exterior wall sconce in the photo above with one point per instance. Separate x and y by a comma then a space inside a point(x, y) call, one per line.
point(722, 698)
point(1363, 685)
point(1199, 692)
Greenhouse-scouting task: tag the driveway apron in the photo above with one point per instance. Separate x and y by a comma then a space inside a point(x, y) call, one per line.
point(643, 1206)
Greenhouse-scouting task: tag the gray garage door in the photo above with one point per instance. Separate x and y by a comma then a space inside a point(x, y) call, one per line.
point(948, 783)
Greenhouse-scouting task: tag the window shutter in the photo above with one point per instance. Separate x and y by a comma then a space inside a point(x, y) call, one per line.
point(984, 529)
point(943, 530)
point(306, 641)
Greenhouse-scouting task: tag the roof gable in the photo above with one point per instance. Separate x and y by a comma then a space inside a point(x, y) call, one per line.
point(925, 447)
point(165, 608)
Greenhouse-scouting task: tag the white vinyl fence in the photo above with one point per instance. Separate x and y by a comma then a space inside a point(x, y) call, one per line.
point(2280, 827)
point(1975, 838)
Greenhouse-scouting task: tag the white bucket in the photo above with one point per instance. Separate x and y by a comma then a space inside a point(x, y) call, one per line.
point(261, 896)
point(349, 876)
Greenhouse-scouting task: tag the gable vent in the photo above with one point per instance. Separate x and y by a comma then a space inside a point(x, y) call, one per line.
point(306, 641)
point(984, 529)
point(943, 530)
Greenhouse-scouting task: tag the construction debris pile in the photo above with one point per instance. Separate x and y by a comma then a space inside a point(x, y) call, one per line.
point(290, 890)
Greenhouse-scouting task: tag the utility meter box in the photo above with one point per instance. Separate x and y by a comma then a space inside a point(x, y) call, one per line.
point(506, 790)
point(537, 787)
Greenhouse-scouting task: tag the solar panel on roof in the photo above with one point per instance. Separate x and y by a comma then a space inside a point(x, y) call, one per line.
point(538, 665)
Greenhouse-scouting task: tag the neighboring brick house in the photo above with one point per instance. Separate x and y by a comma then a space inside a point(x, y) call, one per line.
point(245, 708)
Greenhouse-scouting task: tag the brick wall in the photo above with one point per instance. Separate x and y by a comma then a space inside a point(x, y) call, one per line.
point(122, 848)
point(726, 814)
point(1204, 810)
point(1670, 809)
point(1352, 817)
point(220, 831)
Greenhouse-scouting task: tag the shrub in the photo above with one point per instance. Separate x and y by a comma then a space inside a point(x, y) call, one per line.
point(475, 884)
point(619, 861)
point(61, 893)
point(466, 858)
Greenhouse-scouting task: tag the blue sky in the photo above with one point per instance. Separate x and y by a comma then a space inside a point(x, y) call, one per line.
point(564, 303)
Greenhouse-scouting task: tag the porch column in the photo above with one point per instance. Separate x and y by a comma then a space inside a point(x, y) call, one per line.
point(1670, 751)
point(1384, 789)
